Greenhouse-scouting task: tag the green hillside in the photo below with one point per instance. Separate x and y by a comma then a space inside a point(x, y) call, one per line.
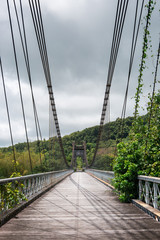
point(51, 157)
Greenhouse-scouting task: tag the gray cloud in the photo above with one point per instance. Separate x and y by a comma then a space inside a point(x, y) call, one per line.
point(78, 36)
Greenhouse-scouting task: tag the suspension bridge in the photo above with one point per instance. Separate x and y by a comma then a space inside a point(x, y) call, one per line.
point(59, 201)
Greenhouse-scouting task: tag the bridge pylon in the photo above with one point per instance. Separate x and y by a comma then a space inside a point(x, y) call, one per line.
point(79, 151)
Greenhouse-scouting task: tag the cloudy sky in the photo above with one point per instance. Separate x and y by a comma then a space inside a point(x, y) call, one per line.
point(78, 35)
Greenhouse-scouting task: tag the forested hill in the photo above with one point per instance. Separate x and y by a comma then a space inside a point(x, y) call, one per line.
point(89, 135)
point(110, 130)
point(50, 152)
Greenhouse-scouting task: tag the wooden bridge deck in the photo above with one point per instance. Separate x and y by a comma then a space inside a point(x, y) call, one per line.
point(80, 207)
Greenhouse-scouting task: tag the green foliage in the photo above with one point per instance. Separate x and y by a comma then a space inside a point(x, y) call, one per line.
point(146, 36)
point(103, 162)
point(141, 154)
point(11, 194)
point(126, 170)
point(79, 163)
point(51, 156)
point(134, 158)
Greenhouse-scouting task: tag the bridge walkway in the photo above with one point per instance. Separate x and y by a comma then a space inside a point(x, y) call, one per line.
point(80, 207)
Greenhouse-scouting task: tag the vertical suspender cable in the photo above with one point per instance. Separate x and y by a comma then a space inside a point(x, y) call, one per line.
point(133, 47)
point(154, 86)
point(30, 80)
point(26, 57)
point(118, 38)
point(19, 83)
point(8, 115)
point(117, 33)
point(39, 30)
point(153, 94)
point(142, 60)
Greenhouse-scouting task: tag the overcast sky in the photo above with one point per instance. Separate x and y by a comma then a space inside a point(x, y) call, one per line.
point(78, 36)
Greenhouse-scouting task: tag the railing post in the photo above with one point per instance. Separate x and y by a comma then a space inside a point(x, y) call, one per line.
point(36, 185)
point(39, 179)
point(155, 186)
point(140, 190)
point(24, 188)
point(147, 192)
point(29, 187)
point(33, 189)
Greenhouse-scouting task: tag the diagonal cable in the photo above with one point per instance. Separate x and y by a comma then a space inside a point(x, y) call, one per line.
point(19, 84)
point(133, 47)
point(39, 30)
point(122, 6)
point(8, 115)
point(26, 57)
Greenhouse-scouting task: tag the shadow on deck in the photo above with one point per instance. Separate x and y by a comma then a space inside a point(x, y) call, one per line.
point(80, 207)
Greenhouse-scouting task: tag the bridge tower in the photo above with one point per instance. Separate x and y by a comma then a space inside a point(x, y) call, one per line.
point(79, 151)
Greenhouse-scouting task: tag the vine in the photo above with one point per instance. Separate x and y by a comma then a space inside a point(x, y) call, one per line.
point(150, 7)
point(11, 194)
point(130, 158)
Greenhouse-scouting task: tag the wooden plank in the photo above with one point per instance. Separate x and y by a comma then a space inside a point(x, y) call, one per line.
point(80, 207)
point(155, 213)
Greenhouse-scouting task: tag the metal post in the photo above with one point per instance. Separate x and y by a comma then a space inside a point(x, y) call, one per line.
point(147, 192)
point(140, 190)
point(155, 186)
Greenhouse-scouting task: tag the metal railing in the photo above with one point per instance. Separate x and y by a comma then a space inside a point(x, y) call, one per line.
point(15, 190)
point(149, 190)
point(149, 187)
point(106, 176)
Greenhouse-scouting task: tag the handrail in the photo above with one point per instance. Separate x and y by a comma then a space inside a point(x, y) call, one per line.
point(103, 175)
point(7, 180)
point(149, 178)
point(27, 187)
point(149, 187)
point(101, 171)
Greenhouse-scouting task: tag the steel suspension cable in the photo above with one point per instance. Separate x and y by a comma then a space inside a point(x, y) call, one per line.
point(38, 36)
point(39, 30)
point(153, 94)
point(8, 115)
point(26, 57)
point(39, 23)
point(118, 28)
point(133, 48)
point(117, 20)
point(19, 84)
point(36, 114)
point(154, 85)
point(141, 65)
point(51, 94)
point(118, 38)
point(43, 37)
point(116, 44)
